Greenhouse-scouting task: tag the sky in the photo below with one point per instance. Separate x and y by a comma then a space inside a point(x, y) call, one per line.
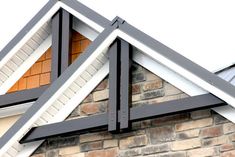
point(201, 30)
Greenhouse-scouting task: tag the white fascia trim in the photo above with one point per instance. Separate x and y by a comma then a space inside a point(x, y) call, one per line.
point(18, 135)
point(25, 66)
point(178, 69)
point(89, 22)
point(84, 29)
point(14, 110)
point(31, 32)
point(30, 147)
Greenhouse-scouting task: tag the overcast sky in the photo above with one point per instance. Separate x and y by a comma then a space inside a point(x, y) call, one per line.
point(202, 30)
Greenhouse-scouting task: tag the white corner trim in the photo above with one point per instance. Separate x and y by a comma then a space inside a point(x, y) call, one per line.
point(31, 32)
point(89, 22)
point(14, 110)
point(178, 69)
point(25, 66)
point(84, 29)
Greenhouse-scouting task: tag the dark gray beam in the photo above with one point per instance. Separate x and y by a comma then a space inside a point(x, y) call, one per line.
point(20, 97)
point(174, 106)
point(125, 93)
point(136, 114)
point(65, 40)
point(82, 124)
point(56, 45)
point(114, 86)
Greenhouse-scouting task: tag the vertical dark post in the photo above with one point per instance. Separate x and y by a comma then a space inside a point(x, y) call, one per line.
point(114, 85)
point(56, 49)
point(125, 94)
point(65, 40)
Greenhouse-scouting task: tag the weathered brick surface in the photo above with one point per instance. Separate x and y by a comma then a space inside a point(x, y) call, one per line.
point(91, 146)
point(103, 153)
point(228, 128)
point(227, 147)
point(202, 152)
point(194, 124)
point(135, 141)
point(161, 134)
point(212, 132)
point(228, 154)
point(69, 150)
point(186, 144)
point(189, 134)
point(215, 141)
point(110, 143)
point(155, 149)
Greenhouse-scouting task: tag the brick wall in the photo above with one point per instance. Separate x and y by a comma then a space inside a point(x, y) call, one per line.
point(192, 134)
point(39, 74)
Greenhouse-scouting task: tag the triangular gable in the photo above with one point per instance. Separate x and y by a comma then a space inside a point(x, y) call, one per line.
point(63, 96)
point(27, 46)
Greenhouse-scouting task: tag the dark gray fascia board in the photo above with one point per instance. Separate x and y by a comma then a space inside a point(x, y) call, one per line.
point(26, 28)
point(180, 60)
point(56, 85)
point(87, 12)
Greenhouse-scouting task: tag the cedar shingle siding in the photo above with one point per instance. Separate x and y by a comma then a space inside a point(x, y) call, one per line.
point(40, 73)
